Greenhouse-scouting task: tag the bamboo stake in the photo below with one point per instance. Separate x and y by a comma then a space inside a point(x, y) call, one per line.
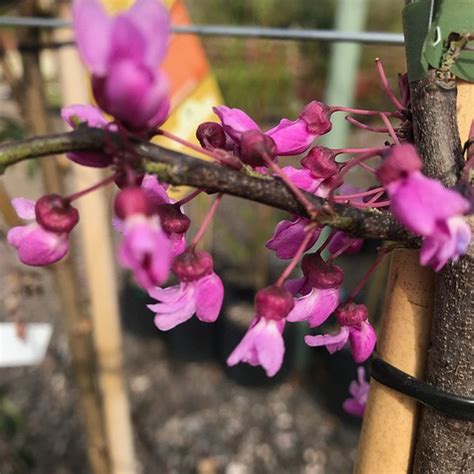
point(101, 278)
point(78, 325)
point(390, 420)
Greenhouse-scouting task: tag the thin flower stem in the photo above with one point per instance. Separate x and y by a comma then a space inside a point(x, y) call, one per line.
point(390, 128)
point(207, 220)
point(100, 184)
point(294, 261)
point(188, 198)
point(326, 242)
point(386, 86)
point(340, 151)
point(187, 144)
point(366, 167)
point(363, 194)
point(368, 204)
point(352, 110)
point(310, 209)
point(341, 250)
point(366, 277)
point(364, 126)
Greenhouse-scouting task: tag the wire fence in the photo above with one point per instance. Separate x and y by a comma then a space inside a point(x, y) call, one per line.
point(286, 34)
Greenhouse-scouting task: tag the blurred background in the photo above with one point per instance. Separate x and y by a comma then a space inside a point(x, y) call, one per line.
point(189, 412)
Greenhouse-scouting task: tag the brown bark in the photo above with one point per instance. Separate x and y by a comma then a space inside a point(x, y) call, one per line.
point(445, 444)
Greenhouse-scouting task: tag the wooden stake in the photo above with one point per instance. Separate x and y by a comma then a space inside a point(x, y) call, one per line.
point(390, 421)
point(101, 279)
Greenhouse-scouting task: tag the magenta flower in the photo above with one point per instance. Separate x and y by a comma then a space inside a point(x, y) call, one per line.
point(425, 207)
point(44, 241)
point(74, 115)
point(289, 235)
point(319, 288)
point(200, 292)
point(359, 389)
point(341, 240)
point(145, 248)
point(354, 328)
point(290, 137)
point(263, 343)
point(123, 54)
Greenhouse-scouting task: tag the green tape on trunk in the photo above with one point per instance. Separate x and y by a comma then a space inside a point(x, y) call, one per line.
point(415, 25)
point(452, 16)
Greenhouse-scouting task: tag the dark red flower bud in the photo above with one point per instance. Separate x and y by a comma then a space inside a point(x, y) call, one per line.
point(254, 145)
point(55, 213)
point(321, 274)
point(211, 135)
point(191, 266)
point(274, 303)
point(317, 116)
point(122, 180)
point(402, 160)
point(351, 314)
point(132, 200)
point(172, 219)
point(320, 162)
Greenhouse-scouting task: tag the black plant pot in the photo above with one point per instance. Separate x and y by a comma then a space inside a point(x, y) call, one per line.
point(233, 323)
point(136, 317)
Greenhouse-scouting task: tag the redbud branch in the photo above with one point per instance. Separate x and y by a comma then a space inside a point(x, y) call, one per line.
point(180, 169)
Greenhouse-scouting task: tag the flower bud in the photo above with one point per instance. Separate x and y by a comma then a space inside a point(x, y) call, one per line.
point(402, 160)
point(56, 214)
point(321, 274)
point(172, 219)
point(191, 265)
point(211, 135)
point(316, 115)
point(130, 201)
point(274, 303)
point(254, 145)
point(319, 161)
point(351, 314)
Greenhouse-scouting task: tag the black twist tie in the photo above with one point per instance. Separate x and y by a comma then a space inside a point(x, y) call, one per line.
point(450, 404)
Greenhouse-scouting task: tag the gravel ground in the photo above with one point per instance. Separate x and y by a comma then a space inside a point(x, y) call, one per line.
point(188, 417)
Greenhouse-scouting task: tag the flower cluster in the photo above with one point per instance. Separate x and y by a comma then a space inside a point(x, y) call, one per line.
point(123, 55)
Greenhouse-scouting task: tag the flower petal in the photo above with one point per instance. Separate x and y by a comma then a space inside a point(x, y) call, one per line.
point(152, 19)
point(326, 303)
point(209, 298)
point(291, 137)
point(92, 29)
point(234, 121)
point(362, 340)
point(25, 208)
point(333, 342)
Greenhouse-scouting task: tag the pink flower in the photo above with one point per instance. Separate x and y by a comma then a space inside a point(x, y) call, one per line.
point(123, 54)
point(145, 248)
point(359, 389)
point(319, 289)
point(35, 244)
point(200, 292)
point(263, 343)
point(288, 236)
point(290, 137)
point(425, 207)
point(74, 115)
point(354, 328)
point(341, 240)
